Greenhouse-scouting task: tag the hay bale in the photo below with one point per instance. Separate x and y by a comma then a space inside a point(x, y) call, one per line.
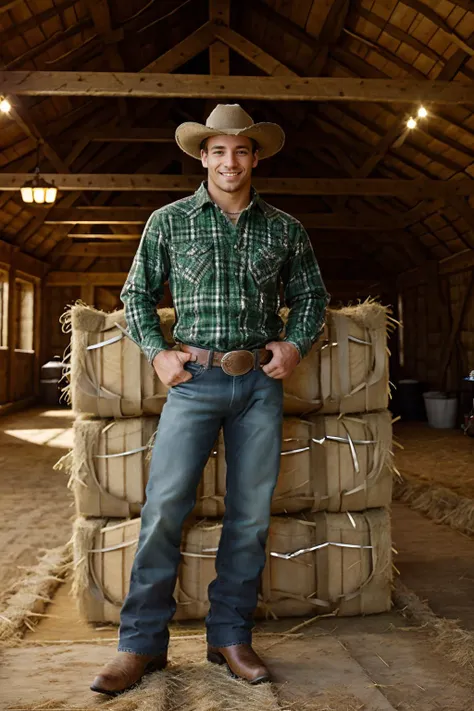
point(25, 606)
point(440, 504)
point(347, 369)
point(318, 471)
point(324, 562)
point(103, 558)
point(353, 578)
point(351, 461)
point(109, 375)
point(109, 465)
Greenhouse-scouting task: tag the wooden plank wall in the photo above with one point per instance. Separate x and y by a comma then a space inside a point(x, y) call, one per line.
point(56, 300)
point(438, 319)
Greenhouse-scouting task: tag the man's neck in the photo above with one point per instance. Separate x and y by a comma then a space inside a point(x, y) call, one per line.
point(230, 202)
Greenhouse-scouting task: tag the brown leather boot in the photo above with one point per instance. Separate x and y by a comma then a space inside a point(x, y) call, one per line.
point(242, 661)
point(125, 671)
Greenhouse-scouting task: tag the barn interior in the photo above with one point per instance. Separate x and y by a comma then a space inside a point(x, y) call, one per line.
point(376, 100)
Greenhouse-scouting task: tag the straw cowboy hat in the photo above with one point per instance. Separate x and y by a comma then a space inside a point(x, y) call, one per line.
point(230, 120)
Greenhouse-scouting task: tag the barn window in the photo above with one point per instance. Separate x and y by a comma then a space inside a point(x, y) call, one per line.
point(25, 293)
point(3, 309)
point(401, 341)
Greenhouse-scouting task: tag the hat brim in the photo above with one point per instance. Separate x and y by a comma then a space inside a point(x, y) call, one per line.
point(269, 136)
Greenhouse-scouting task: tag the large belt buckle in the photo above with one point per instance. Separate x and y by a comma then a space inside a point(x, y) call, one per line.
point(237, 362)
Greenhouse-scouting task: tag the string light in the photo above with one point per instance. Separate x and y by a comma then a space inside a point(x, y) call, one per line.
point(5, 106)
point(422, 112)
point(411, 123)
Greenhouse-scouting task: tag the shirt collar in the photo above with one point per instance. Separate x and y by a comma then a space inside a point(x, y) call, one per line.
point(203, 198)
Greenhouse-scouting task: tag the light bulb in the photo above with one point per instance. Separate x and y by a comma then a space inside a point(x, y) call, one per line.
point(39, 195)
point(5, 106)
point(51, 194)
point(411, 123)
point(422, 112)
point(27, 194)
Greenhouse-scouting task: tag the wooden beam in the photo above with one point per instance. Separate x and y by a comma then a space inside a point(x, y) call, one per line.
point(92, 236)
point(394, 31)
point(100, 12)
point(418, 188)
point(283, 23)
point(10, 254)
point(252, 53)
point(56, 278)
point(101, 250)
point(467, 213)
point(6, 5)
point(126, 135)
point(140, 85)
point(368, 221)
point(181, 53)
point(329, 34)
point(219, 12)
point(457, 262)
point(440, 22)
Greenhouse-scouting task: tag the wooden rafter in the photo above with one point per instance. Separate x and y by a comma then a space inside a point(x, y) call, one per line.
point(100, 12)
point(252, 52)
point(441, 23)
point(419, 188)
point(394, 31)
point(329, 34)
point(126, 135)
point(139, 85)
point(219, 12)
point(182, 52)
point(6, 5)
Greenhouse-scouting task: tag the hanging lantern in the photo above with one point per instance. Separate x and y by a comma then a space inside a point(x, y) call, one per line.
point(38, 190)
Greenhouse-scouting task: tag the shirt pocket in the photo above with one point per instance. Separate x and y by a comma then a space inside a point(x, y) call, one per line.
point(266, 263)
point(192, 259)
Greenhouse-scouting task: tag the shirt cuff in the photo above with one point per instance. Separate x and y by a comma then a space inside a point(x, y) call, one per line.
point(151, 352)
point(296, 345)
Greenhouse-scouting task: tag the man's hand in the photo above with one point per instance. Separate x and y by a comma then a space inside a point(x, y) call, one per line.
point(168, 366)
point(284, 361)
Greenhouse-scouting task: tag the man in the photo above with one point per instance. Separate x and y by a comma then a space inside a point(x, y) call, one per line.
point(224, 251)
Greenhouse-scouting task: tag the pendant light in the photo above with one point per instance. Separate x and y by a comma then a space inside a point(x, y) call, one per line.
point(38, 190)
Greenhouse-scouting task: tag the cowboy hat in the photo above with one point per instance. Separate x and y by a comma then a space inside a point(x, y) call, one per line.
point(230, 120)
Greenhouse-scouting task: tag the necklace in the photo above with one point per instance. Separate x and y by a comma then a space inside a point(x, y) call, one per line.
point(233, 213)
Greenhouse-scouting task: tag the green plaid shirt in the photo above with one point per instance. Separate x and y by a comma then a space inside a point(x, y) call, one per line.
point(224, 278)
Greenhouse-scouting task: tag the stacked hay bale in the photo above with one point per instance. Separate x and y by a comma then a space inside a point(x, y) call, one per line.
point(329, 546)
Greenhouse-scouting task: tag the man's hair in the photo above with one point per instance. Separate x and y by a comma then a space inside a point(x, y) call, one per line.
point(254, 143)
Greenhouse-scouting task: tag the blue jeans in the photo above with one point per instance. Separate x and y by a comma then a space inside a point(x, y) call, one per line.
point(249, 408)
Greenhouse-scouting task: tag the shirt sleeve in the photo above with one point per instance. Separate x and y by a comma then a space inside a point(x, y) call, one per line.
point(144, 288)
point(305, 294)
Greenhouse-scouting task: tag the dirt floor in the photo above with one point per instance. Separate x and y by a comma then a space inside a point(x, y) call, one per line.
point(35, 505)
point(437, 457)
point(377, 663)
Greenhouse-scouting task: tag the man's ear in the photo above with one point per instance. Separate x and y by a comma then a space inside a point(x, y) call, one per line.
point(255, 159)
point(204, 158)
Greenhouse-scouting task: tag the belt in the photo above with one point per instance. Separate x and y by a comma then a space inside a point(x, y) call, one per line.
point(232, 362)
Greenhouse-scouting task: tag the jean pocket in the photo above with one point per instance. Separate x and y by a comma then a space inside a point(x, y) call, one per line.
point(196, 370)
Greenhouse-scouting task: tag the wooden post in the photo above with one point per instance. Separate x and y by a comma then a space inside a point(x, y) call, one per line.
point(37, 330)
point(87, 294)
point(12, 309)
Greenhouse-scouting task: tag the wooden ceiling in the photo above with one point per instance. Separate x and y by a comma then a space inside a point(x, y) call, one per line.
point(345, 139)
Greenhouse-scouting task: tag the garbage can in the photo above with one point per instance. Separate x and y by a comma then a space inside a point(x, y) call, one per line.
point(51, 374)
point(441, 409)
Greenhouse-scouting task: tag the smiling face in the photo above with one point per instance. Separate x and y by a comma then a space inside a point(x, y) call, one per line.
point(229, 161)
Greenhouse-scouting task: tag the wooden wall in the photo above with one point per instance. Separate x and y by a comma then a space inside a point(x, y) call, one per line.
point(438, 318)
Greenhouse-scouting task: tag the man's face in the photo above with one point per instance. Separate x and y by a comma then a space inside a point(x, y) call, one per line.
point(229, 161)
